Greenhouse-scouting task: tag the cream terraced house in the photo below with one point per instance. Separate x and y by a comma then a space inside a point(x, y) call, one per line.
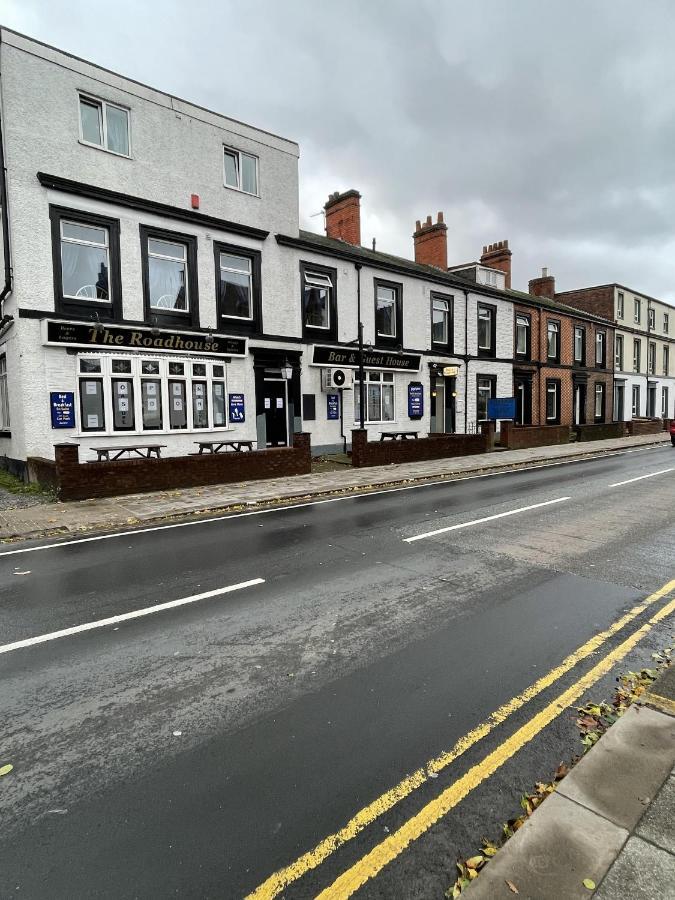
point(157, 287)
point(644, 348)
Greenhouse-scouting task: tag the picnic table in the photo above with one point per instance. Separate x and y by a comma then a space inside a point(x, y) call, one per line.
point(398, 435)
point(218, 446)
point(145, 451)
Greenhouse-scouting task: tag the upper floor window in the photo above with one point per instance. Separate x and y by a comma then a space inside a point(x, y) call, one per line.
point(666, 359)
point(169, 276)
point(636, 355)
point(319, 306)
point(637, 311)
point(241, 170)
point(487, 334)
point(104, 125)
point(238, 287)
point(523, 336)
point(490, 277)
point(553, 341)
point(619, 305)
point(441, 320)
point(666, 322)
point(600, 346)
point(580, 345)
point(651, 359)
point(652, 317)
point(85, 253)
point(388, 313)
point(618, 352)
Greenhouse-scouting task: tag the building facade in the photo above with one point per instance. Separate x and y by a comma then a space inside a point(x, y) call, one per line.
point(644, 348)
point(157, 287)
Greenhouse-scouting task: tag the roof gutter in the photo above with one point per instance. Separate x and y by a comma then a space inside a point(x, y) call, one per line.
point(4, 212)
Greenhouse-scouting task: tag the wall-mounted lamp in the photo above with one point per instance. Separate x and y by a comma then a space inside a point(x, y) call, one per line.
point(287, 372)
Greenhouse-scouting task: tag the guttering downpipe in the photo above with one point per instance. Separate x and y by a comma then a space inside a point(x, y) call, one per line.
point(362, 377)
point(7, 288)
point(466, 364)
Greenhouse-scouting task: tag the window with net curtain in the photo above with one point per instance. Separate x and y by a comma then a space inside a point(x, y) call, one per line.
point(316, 299)
point(386, 311)
point(85, 261)
point(379, 397)
point(235, 286)
point(104, 125)
point(167, 275)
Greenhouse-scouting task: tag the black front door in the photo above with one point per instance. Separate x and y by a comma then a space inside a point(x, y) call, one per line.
point(523, 392)
point(276, 415)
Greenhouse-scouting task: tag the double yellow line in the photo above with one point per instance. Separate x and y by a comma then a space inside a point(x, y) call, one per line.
point(374, 861)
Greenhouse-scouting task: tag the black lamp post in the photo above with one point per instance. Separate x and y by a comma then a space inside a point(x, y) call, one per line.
point(362, 376)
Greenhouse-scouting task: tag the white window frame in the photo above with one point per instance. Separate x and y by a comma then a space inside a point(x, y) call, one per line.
point(635, 400)
point(552, 391)
point(599, 398)
point(664, 402)
point(249, 272)
point(651, 318)
point(321, 280)
point(4, 395)
point(103, 106)
point(153, 254)
point(106, 375)
point(65, 220)
point(637, 354)
point(553, 328)
point(637, 310)
point(651, 358)
point(378, 378)
point(666, 359)
point(238, 154)
point(579, 332)
point(600, 348)
point(522, 328)
point(666, 322)
point(444, 309)
point(394, 304)
point(619, 305)
point(618, 352)
point(485, 314)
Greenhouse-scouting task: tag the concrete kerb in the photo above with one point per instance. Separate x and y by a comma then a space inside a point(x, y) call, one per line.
point(377, 477)
point(590, 828)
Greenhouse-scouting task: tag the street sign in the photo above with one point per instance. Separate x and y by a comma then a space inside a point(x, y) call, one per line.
point(237, 409)
point(332, 406)
point(415, 400)
point(63, 409)
point(501, 408)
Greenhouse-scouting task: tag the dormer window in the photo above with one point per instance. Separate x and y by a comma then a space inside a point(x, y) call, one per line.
point(104, 125)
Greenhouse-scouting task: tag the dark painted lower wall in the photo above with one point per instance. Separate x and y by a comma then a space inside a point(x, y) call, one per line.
point(382, 453)
point(600, 432)
point(644, 426)
point(80, 481)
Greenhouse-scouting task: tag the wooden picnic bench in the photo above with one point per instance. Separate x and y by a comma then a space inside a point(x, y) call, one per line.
point(398, 435)
point(219, 446)
point(145, 451)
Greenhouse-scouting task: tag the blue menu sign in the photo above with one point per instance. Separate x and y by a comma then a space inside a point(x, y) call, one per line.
point(501, 408)
point(415, 400)
point(63, 409)
point(332, 406)
point(237, 410)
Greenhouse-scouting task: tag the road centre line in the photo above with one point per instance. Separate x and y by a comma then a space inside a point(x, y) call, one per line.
point(280, 880)
point(125, 617)
point(353, 496)
point(641, 477)
point(385, 852)
point(502, 515)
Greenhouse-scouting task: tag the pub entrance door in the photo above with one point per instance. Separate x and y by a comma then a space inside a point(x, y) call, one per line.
point(276, 412)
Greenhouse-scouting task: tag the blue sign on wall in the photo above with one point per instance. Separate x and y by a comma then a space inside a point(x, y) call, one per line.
point(415, 400)
point(237, 409)
point(501, 408)
point(63, 409)
point(332, 406)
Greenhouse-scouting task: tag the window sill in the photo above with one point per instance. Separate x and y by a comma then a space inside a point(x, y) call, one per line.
point(105, 150)
point(229, 187)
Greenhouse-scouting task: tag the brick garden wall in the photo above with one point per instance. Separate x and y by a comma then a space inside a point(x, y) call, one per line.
point(42, 471)
point(80, 481)
point(644, 426)
point(600, 432)
point(382, 453)
point(517, 437)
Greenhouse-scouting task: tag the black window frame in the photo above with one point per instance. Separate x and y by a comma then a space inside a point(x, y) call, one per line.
point(493, 391)
point(382, 340)
point(446, 346)
point(230, 324)
point(556, 358)
point(603, 360)
point(527, 355)
point(575, 361)
point(315, 332)
point(171, 318)
point(601, 417)
point(95, 309)
point(490, 353)
point(557, 384)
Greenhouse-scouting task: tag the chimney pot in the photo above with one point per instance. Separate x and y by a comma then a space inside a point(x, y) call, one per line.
point(498, 256)
point(419, 225)
point(428, 220)
point(440, 218)
point(431, 242)
point(544, 272)
point(343, 217)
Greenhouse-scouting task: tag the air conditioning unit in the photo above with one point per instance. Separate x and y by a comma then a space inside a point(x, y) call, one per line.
point(334, 379)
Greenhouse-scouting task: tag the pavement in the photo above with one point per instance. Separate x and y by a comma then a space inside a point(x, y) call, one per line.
point(116, 512)
point(321, 699)
point(611, 819)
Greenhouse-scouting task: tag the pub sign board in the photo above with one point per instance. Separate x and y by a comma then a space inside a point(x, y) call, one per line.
point(501, 408)
point(110, 337)
point(372, 359)
point(62, 404)
point(332, 406)
point(237, 408)
point(415, 400)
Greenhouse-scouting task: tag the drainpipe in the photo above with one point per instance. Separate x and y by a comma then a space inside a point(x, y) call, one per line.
point(362, 376)
point(6, 290)
point(466, 364)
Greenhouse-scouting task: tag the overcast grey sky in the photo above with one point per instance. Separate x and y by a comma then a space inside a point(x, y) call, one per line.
point(548, 123)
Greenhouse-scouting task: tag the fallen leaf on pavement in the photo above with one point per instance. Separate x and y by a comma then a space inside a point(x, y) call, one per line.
point(512, 887)
point(589, 883)
point(5, 770)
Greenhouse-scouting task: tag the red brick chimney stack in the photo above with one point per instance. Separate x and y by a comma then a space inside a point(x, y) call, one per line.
point(431, 242)
point(498, 256)
point(543, 286)
point(343, 217)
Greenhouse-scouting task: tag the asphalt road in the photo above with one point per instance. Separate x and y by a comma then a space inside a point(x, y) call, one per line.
point(196, 750)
